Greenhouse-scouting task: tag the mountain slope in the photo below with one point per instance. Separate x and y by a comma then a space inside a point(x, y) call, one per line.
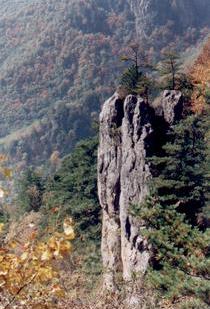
point(60, 59)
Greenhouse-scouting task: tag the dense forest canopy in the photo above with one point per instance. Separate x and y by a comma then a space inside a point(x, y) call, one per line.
point(57, 60)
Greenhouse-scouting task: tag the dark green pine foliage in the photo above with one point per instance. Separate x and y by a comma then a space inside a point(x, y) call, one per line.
point(73, 190)
point(145, 86)
point(130, 78)
point(179, 171)
point(137, 83)
point(169, 69)
point(175, 228)
point(180, 263)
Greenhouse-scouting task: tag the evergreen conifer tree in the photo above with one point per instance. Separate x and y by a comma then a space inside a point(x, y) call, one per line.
point(181, 180)
point(129, 78)
point(144, 87)
point(73, 189)
point(169, 68)
point(135, 78)
point(180, 261)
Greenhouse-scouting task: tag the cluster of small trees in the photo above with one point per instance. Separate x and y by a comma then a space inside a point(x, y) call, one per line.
point(140, 77)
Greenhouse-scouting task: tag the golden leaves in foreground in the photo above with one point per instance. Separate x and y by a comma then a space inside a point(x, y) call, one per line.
point(1, 227)
point(7, 172)
point(31, 277)
point(68, 228)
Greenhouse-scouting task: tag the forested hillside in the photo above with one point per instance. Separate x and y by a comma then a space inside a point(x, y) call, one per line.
point(104, 154)
point(57, 60)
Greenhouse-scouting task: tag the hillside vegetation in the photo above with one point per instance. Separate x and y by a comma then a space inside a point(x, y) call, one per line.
point(56, 66)
point(200, 74)
point(59, 60)
point(176, 217)
point(56, 59)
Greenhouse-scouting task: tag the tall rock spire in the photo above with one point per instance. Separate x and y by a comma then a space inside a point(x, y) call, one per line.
point(127, 127)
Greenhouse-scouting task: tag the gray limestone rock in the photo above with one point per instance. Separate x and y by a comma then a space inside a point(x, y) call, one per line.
point(169, 105)
point(126, 125)
point(134, 179)
point(109, 167)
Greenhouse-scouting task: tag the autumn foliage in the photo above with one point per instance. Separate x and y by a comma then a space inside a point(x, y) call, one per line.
point(200, 74)
point(29, 268)
point(29, 274)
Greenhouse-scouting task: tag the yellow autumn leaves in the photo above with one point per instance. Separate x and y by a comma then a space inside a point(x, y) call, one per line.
point(1, 227)
point(68, 229)
point(31, 275)
point(29, 272)
point(5, 171)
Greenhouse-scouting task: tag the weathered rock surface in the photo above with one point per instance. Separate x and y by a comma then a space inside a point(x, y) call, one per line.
point(136, 126)
point(169, 105)
point(109, 167)
point(127, 127)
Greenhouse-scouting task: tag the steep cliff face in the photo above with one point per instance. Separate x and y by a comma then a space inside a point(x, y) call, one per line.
point(127, 130)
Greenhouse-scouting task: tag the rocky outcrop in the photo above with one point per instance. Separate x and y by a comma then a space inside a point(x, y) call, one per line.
point(127, 127)
point(169, 106)
point(109, 168)
point(136, 127)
